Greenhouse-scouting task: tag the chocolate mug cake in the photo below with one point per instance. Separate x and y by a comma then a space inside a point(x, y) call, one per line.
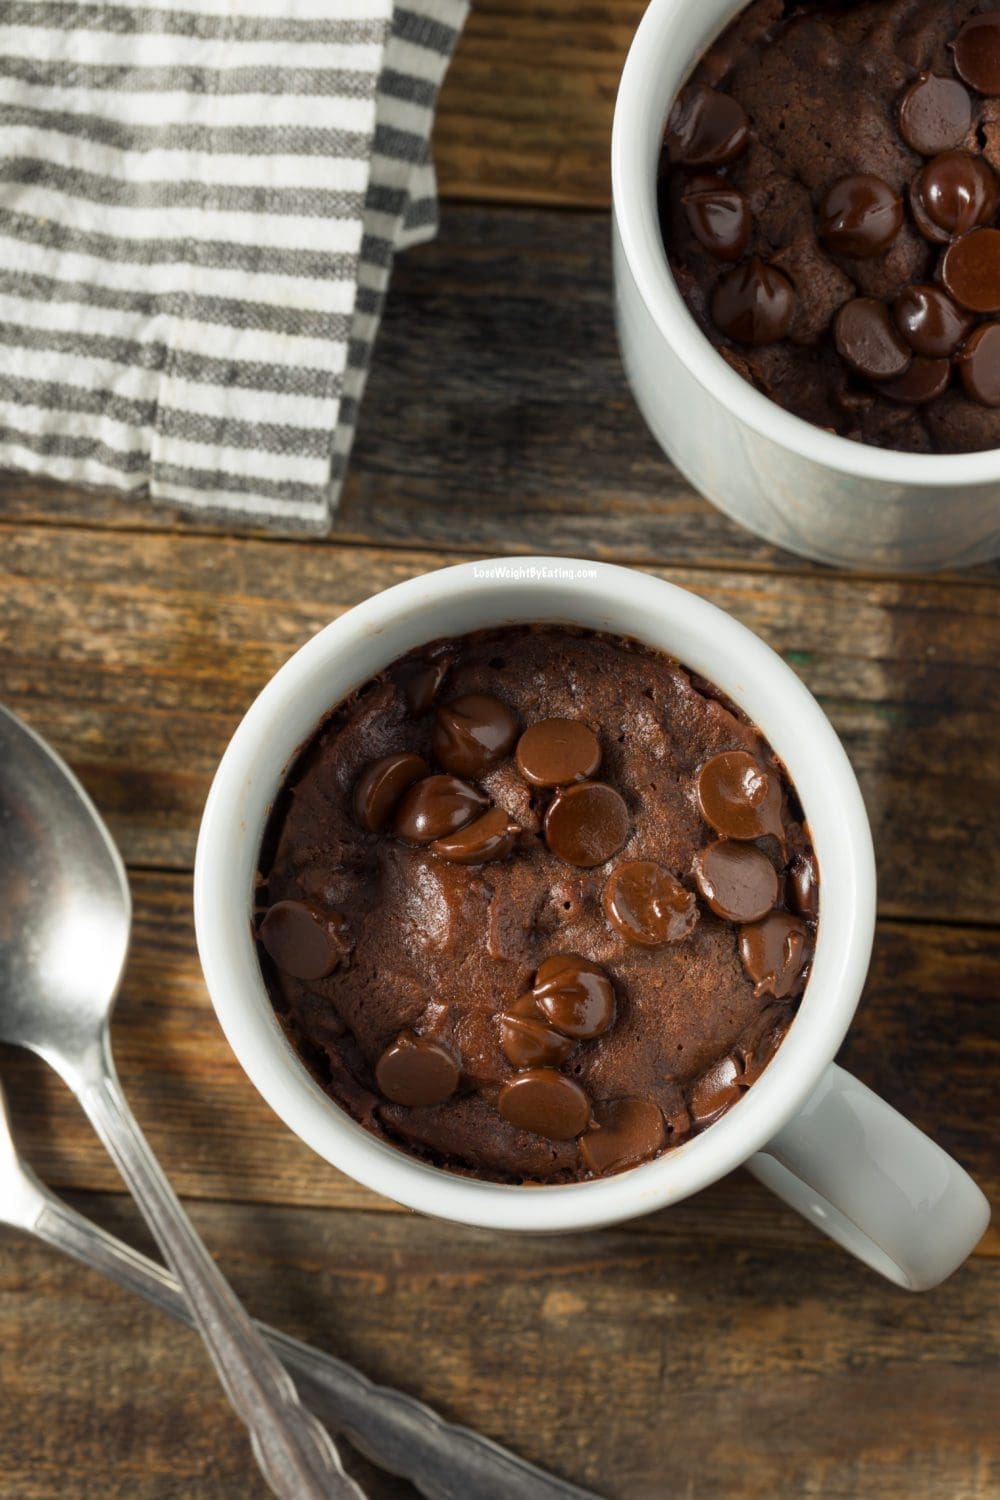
point(829, 205)
point(535, 904)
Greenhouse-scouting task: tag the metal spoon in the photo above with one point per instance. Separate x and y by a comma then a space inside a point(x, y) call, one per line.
point(444, 1461)
point(65, 916)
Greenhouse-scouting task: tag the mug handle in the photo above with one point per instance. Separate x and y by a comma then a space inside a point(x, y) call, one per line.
point(853, 1166)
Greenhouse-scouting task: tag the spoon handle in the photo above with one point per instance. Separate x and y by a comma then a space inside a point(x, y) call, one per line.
point(296, 1455)
point(444, 1461)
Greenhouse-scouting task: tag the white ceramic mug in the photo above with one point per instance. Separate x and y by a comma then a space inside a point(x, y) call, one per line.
point(824, 496)
point(822, 1141)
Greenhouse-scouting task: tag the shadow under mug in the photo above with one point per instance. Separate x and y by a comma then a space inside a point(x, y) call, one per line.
point(824, 496)
point(822, 1141)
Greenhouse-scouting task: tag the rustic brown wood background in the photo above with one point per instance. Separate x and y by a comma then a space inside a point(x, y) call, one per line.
point(720, 1348)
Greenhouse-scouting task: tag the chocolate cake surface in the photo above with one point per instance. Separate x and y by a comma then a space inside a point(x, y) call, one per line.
point(490, 896)
point(829, 199)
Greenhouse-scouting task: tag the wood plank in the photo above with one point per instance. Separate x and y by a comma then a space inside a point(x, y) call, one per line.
point(525, 440)
point(525, 112)
point(645, 1369)
point(926, 1037)
point(137, 654)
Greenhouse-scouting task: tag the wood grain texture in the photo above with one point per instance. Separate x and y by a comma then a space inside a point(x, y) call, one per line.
point(525, 112)
point(935, 1058)
point(644, 1368)
point(137, 654)
point(526, 439)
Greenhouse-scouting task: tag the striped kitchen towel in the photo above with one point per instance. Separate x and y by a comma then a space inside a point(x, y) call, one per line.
point(200, 201)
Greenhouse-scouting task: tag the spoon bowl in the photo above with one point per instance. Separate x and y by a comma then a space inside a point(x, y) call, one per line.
point(65, 908)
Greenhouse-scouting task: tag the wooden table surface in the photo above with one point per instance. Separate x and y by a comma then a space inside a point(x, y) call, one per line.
point(720, 1348)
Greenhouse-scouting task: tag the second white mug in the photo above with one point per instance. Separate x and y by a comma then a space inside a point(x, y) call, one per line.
point(818, 494)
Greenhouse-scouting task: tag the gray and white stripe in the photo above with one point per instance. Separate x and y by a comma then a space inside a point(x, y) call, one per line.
point(200, 201)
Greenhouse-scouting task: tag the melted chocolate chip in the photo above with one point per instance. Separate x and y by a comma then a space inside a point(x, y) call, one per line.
point(472, 733)
point(575, 996)
point(774, 954)
point(302, 939)
point(555, 752)
point(526, 1005)
point(953, 194)
point(436, 807)
point(866, 339)
point(860, 216)
point(546, 1102)
point(420, 681)
point(925, 380)
point(647, 905)
point(626, 1132)
point(756, 1058)
point(738, 798)
point(802, 887)
point(586, 824)
point(970, 270)
point(935, 114)
point(753, 303)
point(705, 128)
point(930, 322)
point(717, 1090)
point(979, 365)
point(417, 1072)
point(488, 838)
point(529, 1042)
point(719, 216)
point(977, 53)
point(380, 786)
point(737, 880)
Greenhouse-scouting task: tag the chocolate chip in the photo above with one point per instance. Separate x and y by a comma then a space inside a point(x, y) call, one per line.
point(380, 786)
point(925, 380)
point(647, 905)
point(420, 681)
point(802, 887)
point(717, 1090)
point(436, 807)
point(977, 52)
point(627, 1131)
point(490, 837)
point(417, 1072)
point(737, 880)
point(705, 128)
point(555, 752)
point(529, 1043)
point(866, 339)
point(774, 953)
point(738, 798)
point(860, 216)
point(953, 194)
point(934, 114)
point(970, 269)
point(756, 1058)
point(472, 733)
point(303, 939)
point(753, 303)
point(574, 995)
point(546, 1102)
point(979, 365)
point(526, 1005)
point(930, 322)
point(586, 824)
point(719, 216)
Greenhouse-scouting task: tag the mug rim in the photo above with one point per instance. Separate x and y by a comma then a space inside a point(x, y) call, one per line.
point(633, 195)
point(223, 910)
